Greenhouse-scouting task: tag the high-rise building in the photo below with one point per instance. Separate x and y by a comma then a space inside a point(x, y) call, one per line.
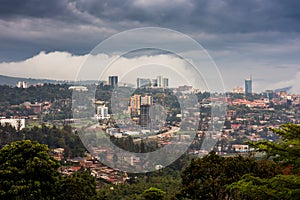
point(248, 86)
point(113, 81)
point(143, 82)
point(162, 82)
point(159, 82)
point(154, 83)
point(102, 112)
point(145, 116)
point(165, 82)
point(135, 103)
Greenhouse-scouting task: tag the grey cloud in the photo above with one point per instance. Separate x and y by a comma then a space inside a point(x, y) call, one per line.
point(32, 8)
point(208, 16)
point(78, 25)
point(202, 15)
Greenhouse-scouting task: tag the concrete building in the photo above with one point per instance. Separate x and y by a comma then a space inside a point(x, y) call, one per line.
point(135, 103)
point(145, 116)
point(113, 81)
point(159, 82)
point(238, 90)
point(184, 88)
point(162, 82)
point(240, 147)
point(18, 124)
point(146, 100)
point(102, 112)
point(143, 82)
point(165, 82)
point(36, 108)
point(22, 84)
point(248, 86)
point(78, 88)
point(154, 83)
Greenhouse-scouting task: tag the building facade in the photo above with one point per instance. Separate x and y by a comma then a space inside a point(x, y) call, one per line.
point(18, 124)
point(143, 82)
point(113, 81)
point(158, 82)
point(248, 86)
point(145, 116)
point(102, 112)
point(22, 84)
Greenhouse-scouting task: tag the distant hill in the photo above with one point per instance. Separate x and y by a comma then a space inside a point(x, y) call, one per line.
point(11, 81)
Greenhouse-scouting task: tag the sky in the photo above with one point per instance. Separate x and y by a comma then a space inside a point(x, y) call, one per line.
point(52, 39)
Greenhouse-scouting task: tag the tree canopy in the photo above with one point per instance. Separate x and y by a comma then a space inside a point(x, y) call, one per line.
point(27, 171)
point(153, 194)
point(208, 177)
point(286, 150)
point(77, 186)
point(286, 153)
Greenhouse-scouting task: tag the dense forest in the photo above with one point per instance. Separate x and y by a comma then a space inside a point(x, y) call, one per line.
point(53, 137)
point(46, 92)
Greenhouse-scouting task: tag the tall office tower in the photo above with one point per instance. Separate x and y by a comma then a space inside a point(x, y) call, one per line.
point(159, 81)
point(154, 83)
point(135, 104)
point(113, 81)
point(143, 82)
point(248, 86)
point(145, 116)
point(162, 82)
point(165, 82)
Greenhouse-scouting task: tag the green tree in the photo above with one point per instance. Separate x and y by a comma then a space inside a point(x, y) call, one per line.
point(77, 186)
point(287, 153)
point(27, 171)
point(153, 194)
point(280, 187)
point(286, 150)
point(208, 177)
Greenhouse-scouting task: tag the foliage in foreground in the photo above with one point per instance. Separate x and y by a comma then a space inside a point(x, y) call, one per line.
point(27, 171)
point(277, 176)
point(286, 153)
point(153, 194)
point(276, 188)
point(208, 177)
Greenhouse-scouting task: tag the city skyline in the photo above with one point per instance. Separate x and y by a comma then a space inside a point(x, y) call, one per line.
point(113, 81)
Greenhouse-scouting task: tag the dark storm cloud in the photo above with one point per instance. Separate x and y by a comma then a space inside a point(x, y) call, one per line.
point(78, 25)
point(61, 10)
point(31, 8)
point(211, 16)
point(202, 15)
